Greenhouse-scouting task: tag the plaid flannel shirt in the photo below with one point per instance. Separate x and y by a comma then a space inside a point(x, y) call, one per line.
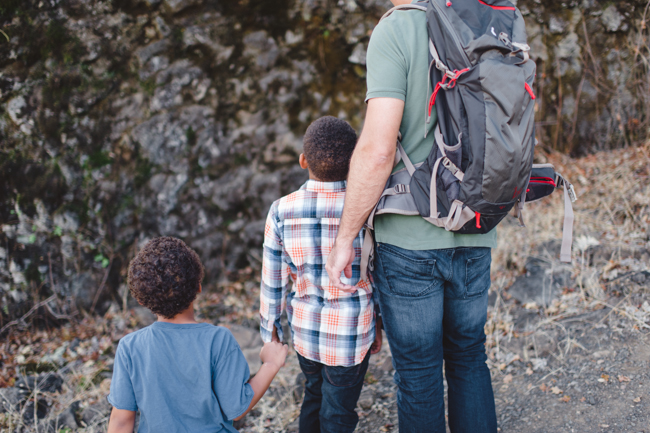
point(328, 326)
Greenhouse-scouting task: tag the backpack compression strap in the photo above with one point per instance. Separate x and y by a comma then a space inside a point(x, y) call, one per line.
point(567, 231)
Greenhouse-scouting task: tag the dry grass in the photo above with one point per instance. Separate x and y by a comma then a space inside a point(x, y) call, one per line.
point(612, 213)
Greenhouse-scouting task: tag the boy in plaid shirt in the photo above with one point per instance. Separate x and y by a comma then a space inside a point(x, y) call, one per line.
point(332, 331)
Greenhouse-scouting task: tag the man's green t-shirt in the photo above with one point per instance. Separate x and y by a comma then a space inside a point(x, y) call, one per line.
point(397, 63)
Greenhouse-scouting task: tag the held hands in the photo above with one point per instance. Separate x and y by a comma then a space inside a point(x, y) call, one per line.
point(340, 260)
point(376, 345)
point(274, 353)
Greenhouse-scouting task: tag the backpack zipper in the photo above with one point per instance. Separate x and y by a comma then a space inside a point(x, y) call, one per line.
point(450, 29)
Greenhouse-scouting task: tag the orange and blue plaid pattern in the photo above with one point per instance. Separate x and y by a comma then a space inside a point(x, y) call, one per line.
point(327, 325)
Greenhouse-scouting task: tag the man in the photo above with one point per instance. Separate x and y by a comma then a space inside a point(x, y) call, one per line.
point(431, 284)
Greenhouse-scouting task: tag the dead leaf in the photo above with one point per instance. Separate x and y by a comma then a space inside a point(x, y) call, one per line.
point(507, 378)
point(583, 399)
point(565, 399)
point(604, 378)
point(623, 379)
point(637, 400)
point(555, 390)
point(543, 387)
point(529, 371)
point(502, 367)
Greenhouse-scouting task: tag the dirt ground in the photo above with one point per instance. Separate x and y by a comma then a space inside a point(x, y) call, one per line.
point(586, 373)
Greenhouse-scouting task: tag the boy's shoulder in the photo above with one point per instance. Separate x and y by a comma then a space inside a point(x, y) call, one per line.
point(218, 334)
point(303, 202)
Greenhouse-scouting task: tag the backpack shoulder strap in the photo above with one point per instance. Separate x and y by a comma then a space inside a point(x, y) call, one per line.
point(409, 6)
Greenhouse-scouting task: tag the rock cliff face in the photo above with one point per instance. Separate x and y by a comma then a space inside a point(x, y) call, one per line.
point(124, 120)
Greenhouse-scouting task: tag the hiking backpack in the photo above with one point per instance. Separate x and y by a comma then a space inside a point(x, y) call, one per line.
point(481, 165)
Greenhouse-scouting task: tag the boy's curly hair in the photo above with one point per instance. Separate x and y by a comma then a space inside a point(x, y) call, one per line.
point(165, 276)
point(328, 146)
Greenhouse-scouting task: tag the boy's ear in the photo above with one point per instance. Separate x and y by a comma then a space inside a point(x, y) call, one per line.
point(303, 161)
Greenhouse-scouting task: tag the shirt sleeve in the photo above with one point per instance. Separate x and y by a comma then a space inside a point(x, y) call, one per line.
point(231, 379)
point(122, 395)
point(386, 62)
point(275, 279)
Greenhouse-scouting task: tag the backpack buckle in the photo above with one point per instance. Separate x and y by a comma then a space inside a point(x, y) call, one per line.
point(571, 191)
point(400, 188)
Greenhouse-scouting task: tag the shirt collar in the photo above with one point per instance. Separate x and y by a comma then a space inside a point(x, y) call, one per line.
point(318, 186)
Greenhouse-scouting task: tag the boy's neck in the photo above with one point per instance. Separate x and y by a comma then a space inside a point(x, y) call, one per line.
point(183, 318)
point(312, 177)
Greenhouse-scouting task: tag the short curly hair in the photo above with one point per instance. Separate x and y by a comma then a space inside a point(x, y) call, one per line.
point(165, 276)
point(328, 146)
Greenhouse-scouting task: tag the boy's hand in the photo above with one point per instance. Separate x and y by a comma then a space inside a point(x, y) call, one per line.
point(274, 335)
point(376, 345)
point(274, 353)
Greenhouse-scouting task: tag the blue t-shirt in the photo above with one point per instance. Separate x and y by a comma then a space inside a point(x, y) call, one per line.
point(182, 378)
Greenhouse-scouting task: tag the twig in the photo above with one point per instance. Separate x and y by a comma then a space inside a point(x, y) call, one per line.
point(58, 316)
point(576, 109)
point(2, 31)
point(604, 317)
point(559, 104)
point(101, 286)
point(625, 313)
point(29, 313)
point(49, 261)
point(550, 374)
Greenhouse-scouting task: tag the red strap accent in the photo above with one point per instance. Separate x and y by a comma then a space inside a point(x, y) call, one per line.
point(450, 85)
point(432, 101)
point(448, 3)
point(546, 182)
point(478, 220)
point(498, 8)
point(529, 90)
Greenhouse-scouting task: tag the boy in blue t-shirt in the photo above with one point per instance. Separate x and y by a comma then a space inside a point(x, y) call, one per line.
point(183, 376)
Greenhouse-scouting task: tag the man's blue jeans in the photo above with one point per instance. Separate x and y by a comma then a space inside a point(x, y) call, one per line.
point(331, 395)
point(434, 307)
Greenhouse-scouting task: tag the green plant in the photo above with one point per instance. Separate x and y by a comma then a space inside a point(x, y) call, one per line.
point(103, 259)
point(148, 85)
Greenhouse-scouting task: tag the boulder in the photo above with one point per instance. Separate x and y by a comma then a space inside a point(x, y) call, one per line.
point(10, 399)
point(542, 282)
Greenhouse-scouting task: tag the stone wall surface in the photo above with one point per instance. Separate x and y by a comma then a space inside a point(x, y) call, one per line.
point(125, 120)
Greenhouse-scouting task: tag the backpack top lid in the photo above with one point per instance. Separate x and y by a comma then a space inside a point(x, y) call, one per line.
point(475, 26)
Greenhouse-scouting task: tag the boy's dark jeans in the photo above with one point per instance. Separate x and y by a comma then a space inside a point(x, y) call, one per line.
point(331, 394)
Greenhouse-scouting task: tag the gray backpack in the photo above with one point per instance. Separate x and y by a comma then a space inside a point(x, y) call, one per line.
point(481, 166)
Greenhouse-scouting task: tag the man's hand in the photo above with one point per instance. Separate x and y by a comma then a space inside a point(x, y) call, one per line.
point(340, 260)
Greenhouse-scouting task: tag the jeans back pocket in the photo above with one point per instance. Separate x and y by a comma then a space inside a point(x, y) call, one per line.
point(477, 272)
point(409, 273)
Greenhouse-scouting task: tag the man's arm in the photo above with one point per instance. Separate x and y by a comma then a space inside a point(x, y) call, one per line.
point(370, 167)
point(122, 421)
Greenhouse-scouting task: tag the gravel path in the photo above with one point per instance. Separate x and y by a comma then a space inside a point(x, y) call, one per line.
point(586, 373)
